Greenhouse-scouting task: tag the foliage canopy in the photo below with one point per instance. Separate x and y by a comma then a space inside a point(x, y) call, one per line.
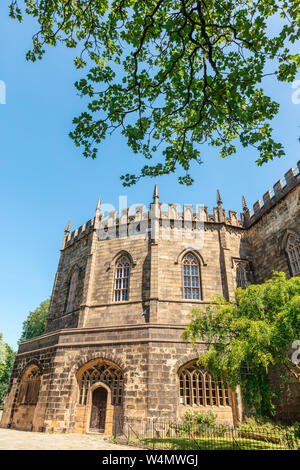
point(36, 321)
point(7, 357)
point(174, 74)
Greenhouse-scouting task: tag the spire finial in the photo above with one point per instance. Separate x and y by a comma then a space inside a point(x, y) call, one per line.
point(66, 234)
point(244, 203)
point(219, 200)
point(68, 226)
point(155, 195)
point(98, 206)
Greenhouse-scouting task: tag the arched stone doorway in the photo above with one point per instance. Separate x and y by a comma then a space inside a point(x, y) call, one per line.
point(98, 411)
point(99, 399)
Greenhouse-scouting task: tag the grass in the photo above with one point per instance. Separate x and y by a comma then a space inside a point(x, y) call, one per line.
point(205, 443)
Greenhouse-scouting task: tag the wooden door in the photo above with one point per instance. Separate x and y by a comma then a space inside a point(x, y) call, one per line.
point(98, 412)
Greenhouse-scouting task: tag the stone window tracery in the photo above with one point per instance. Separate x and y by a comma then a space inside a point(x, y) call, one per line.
point(293, 252)
point(102, 372)
point(241, 276)
point(122, 275)
point(191, 277)
point(198, 388)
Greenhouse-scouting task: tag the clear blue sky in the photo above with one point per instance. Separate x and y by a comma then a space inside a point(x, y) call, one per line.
point(45, 181)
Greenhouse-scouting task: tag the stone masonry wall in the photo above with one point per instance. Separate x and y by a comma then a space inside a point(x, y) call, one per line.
point(102, 310)
point(149, 357)
point(29, 417)
point(75, 255)
point(156, 284)
point(267, 236)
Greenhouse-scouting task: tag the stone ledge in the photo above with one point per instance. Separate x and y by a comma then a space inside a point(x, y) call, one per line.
point(148, 333)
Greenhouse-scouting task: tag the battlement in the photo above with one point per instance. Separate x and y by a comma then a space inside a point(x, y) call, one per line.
point(132, 221)
point(271, 198)
point(172, 212)
point(140, 220)
point(81, 232)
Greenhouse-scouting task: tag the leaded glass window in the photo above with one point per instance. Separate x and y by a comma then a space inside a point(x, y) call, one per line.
point(241, 276)
point(198, 388)
point(122, 274)
point(102, 372)
point(293, 251)
point(191, 277)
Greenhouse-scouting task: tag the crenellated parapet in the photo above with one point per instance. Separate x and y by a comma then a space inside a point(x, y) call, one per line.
point(78, 234)
point(172, 216)
point(140, 221)
point(271, 198)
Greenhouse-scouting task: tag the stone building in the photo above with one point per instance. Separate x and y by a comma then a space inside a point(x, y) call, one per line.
point(122, 294)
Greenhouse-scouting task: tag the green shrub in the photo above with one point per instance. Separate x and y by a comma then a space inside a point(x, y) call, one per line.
point(297, 430)
point(289, 435)
point(197, 422)
point(207, 419)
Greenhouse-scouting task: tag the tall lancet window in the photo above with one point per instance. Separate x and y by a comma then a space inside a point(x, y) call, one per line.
point(293, 251)
point(191, 277)
point(72, 290)
point(241, 276)
point(122, 274)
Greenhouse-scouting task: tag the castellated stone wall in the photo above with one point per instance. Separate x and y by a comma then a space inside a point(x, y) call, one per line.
point(268, 236)
point(156, 284)
point(270, 224)
point(268, 230)
point(142, 336)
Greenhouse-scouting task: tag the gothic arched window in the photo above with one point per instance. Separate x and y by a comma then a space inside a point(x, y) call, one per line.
point(293, 252)
point(191, 277)
point(198, 388)
point(122, 274)
point(72, 290)
point(241, 276)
